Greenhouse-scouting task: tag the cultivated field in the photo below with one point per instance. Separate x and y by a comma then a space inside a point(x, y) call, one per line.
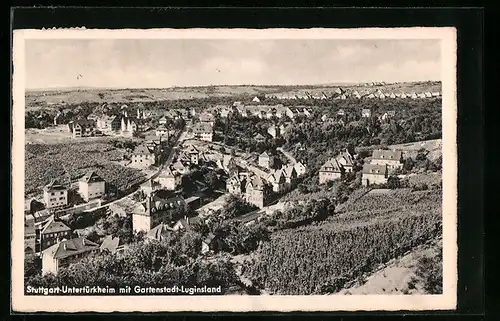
point(38, 98)
point(44, 162)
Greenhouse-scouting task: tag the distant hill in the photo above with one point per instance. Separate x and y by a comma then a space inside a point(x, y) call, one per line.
point(54, 96)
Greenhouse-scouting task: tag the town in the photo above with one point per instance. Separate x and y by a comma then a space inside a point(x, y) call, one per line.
point(228, 174)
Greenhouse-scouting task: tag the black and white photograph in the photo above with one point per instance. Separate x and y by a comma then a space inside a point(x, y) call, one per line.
point(229, 170)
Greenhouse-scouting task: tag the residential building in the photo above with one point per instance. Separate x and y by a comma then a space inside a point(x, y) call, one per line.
point(162, 130)
point(346, 160)
point(194, 154)
point(274, 131)
point(180, 167)
point(300, 168)
point(66, 252)
point(259, 138)
point(207, 243)
point(203, 131)
point(150, 186)
point(256, 99)
point(153, 211)
point(207, 117)
point(392, 158)
point(421, 95)
point(159, 233)
point(109, 124)
point(341, 113)
point(144, 156)
point(91, 186)
point(266, 160)
point(50, 232)
point(290, 174)
point(112, 244)
point(236, 184)
point(169, 180)
point(55, 195)
point(374, 174)
point(277, 180)
point(307, 112)
point(330, 171)
point(436, 94)
point(428, 95)
point(290, 113)
point(83, 128)
point(257, 191)
point(366, 113)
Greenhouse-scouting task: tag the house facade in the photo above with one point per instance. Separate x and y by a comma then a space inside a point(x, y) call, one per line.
point(152, 212)
point(278, 181)
point(300, 168)
point(374, 174)
point(50, 232)
point(91, 186)
point(203, 131)
point(169, 179)
point(266, 160)
point(392, 158)
point(366, 113)
point(143, 156)
point(55, 195)
point(257, 191)
point(65, 253)
point(330, 171)
point(236, 185)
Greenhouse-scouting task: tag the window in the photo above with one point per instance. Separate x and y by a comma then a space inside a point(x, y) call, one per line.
point(52, 194)
point(62, 193)
point(61, 198)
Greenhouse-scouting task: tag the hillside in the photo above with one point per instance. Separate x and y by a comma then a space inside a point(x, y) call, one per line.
point(41, 98)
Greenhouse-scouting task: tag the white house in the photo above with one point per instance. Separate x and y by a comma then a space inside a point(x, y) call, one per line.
point(169, 180)
point(55, 195)
point(256, 99)
point(66, 252)
point(91, 186)
point(374, 174)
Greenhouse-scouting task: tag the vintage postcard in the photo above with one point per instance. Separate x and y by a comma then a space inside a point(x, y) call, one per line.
point(234, 170)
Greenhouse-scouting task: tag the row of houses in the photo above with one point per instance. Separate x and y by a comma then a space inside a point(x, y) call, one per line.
point(255, 184)
point(376, 171)
point(258, 111)
point(342, 94)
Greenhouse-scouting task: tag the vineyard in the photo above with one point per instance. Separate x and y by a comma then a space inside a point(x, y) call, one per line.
point(46, 162)
point(323, 257)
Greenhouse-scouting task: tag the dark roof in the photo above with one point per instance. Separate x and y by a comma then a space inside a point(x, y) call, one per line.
point(142, 150)
point(387, 154)
point(252, 216)
point(53, 226)
point(91, 177)
point(374, 169)
point(159, 231)
point(70, 247)
point(54, 185)
point(331, 166)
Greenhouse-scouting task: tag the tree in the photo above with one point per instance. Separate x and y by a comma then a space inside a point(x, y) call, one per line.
point(32, 265)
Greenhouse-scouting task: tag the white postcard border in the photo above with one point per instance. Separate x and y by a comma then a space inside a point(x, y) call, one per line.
point(446, 301)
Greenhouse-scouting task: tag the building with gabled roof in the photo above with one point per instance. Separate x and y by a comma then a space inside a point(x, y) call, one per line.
point(144, 156)
point(153, 210)
point(346, 160)
point(300, 168)
point(112, 244)
point(366, 113)
point(290, 174)
point(50, 231)
point(169, 179)
point(91, 186)
point(236, 184)
point(277, 180)
point(65, 253)
point(374, 174)
point(330, 171)
point(159, 233)
point(257, 191)
point(392, 158)
point(266, 160)
point(55, 194)
point(203, 131)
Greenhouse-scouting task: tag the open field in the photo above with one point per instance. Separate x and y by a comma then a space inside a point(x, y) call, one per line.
point(44, 162)
point(40, 98)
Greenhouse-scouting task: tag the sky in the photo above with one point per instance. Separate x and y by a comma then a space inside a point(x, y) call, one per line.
point(161, 63)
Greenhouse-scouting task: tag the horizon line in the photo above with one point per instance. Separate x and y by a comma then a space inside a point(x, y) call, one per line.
point(227, 85)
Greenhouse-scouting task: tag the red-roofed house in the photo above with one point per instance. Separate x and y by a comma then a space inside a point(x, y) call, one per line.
point(66, 252)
